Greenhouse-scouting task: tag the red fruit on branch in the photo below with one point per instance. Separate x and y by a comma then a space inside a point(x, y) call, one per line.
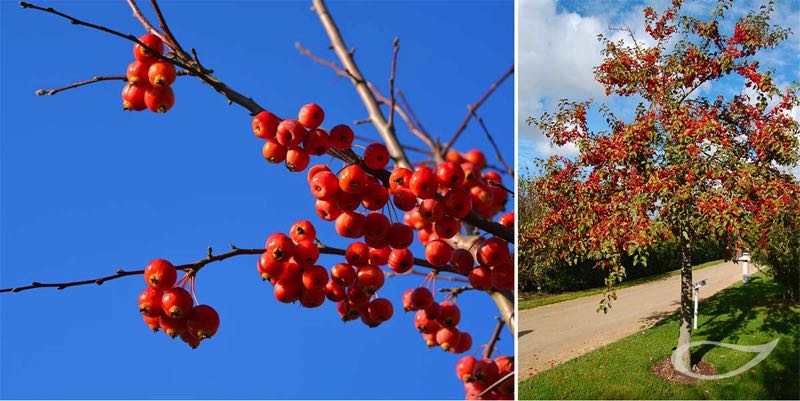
point(357, 297)
point(133, 97)
point(297, 159)
point(335, 292)
point(376, 226)
point(315, 278)
point(486, 371)
point(375, 196)
point(447, 337)
point(419, 298)
point(324, 185)
point(341, 137)
point(464, 343)
point(379, 256)
point(503, 276)
point(493, 252)
point(303, 230)
point(151, 41)
point(450, 174)
point(449, 314)
point(305, 253)
point(465, 367)
point(438, 252)
point(462, 261)
point(476, 157)
point(343, 274)
point(150, 303)
point(203, 321)
point(447, 227)
point(357, 253)
point(347, 312)
point(287, 290)
point(327, 210)
point(376, 156)
point(160, 274)
point(159, 100)
point(480, 278)
point(380, 310)
point(350, 224)
point(190, 339)
point(311, 115)
point(176, 302)
point(269, 268)
point(353, 179)
point(404, 199)
point(290, 133)
point(423, 183)
point(161, 74)
point(400, 236)
point(273, 151)
point(280, 247)
point(154, 323)
point(137, 73)
point(399, 178)
point(431, 210)
point(312, 298)
point(457, 203)
point(369, 278)
point(172, 327)
point(401, 260)
point(507, 220)
point(265, 125)
point(317, 142)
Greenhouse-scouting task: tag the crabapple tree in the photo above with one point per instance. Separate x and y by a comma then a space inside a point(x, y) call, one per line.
point(455, 202)
point(685, 166)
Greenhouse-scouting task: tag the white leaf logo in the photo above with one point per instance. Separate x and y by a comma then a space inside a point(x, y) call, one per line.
point(763, 351)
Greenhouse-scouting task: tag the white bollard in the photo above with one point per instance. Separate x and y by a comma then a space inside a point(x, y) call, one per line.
point(745, 259)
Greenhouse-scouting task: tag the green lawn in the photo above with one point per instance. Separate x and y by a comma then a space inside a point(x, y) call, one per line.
point(548, 299)
point(747, 315)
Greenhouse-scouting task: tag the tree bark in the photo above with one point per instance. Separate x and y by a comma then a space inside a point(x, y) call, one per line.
point(685, 331)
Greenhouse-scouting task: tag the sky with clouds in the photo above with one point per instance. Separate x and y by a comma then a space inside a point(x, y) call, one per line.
point(558, 50)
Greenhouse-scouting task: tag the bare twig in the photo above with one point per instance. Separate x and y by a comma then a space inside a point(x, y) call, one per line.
point(171, 41)
point(496, 384)
point(455, 292)
point(393, 102)
point(143, 20)
point(407, 106)
point(92, 80)
point(489, 136)
point(473, 107)
point(367, 97)
point(487, 353)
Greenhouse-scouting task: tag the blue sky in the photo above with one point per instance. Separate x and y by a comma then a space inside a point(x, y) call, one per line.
point(87, 188)
point(559, 49)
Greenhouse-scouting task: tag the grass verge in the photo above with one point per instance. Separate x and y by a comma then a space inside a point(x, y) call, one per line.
point(548, 299)
point(742, 314)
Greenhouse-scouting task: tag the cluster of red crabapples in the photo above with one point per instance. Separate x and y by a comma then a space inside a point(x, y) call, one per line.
point(479, 374)
point(437, 322)
point(166, 304)
point(149, 78)
point(289, 263)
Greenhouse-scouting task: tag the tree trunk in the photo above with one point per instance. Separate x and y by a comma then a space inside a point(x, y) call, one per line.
point(685, 331)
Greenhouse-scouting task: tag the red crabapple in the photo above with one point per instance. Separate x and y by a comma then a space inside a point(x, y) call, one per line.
point(464, 343)
point(350, 224)
point(401, 260)
point(311, 115)
point(317, 142)
point(315, 278)
point(273, 151)
point(420, 298)
point(399, 178)
point(160, 274)
point(280, 246)
point(153, 322)
point(159, 100)
point(369, 278)
point(176, 302)
point(287, 291)
point(380, 309)
point(297, 159)
point(447, 337)
point(493, 252)
point(438, 252)
point(150, 302)
point(324, 185)
point(353, 179)
point(462, 261)
point(203, 321)
point(137, 73)
point(153, 42)
point(335, 292)
point(449, 314)
point(161, 74)
point(423, 184)
point(464, 368)
point(357, 253)
point(480, 278)
point(450, 174)
point(265, 125)
point(312, 298)
point(303, 230)
point(190, 339)
point(343, 274)
point(379, 256)
point(172, 327)
point(327, 210)
point(269, 268)
point(404, 199)
point(376, 156)
point(290, 133)
point(133, 97)
point(341, 137)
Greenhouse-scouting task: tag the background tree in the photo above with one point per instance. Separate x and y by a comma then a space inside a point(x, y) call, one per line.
point(685, 166)
point(189, 64)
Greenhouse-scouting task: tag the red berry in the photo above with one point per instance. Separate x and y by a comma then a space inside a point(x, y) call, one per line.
point(438, 252)
point(401, 260)
point(376, 156)
point(472, 175)
point(480, 278)
point(356, 296)
point(150, 303)
point(447, 337)
point(342, 137)
point(311, 115)
point(327, 210)
point(464, 343)
point(486, 371)
point(404, 199)
point(190, 339)
point(503, 277)
point(376, 226)
point(357, 253)
point(350, 224)
point(423, 184)
point(457, 203)
point(153, 42)
point(446, 227)
point(476, 157)
point(303, 230)
point(317, 142)
point(273, 151)
point(280, 247)
point(315, 278)
point(137, 73)
point(305, 253)
point(312, 298)
point(462, 261)
point(343, 274)
point(153, 322)
point(375, 196)
point(324, 185)
point(431, 209)
point(133, 97)
point(507, 220)
point(493, 252)
point(449, 314)
point(464, 368)
point(380, 310)
point(161, 74)
point(269, 268)
point(399, 178)
point(450, 174)
point(317, 168)
point(159, 100)
point(453, 156)
point(346, 311)
point(265, 125)
point(353, 179)
point(203, 321)
point(432, 311)
point(176, 302)
point(172, 327)
point(378, 243)
point(379, 256)
point(347, 201)
point(368, 320)
point(420, 298)
point(369, 278)
point(287, 291)
point(400, 236)
point(296, 159)
point(290, 133)
point(160, 274)
point(335, 292)
point(482, 196)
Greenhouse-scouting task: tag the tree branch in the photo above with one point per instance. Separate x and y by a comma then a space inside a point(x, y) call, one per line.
point(393, 102)
point(92, 80)
point(137, 13)
point(473, 107)
point(487, 353)
point(496, 384)
point(489, 136)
